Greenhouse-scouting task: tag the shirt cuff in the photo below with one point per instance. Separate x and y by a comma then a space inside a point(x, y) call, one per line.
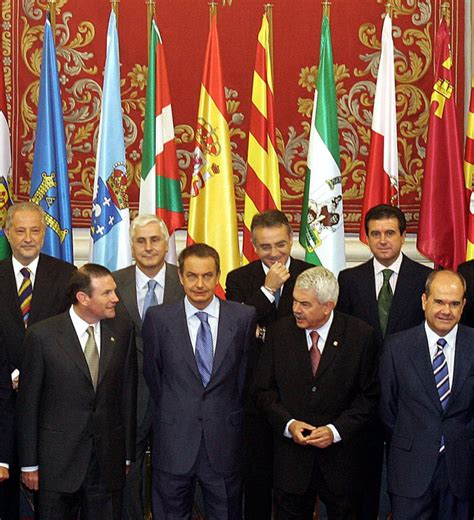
point(30, 469)
point(4, 465)
point(337, 437)
point(287, 433)
point(268, 294)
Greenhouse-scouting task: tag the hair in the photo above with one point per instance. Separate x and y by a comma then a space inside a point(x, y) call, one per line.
point(433, 274)
point(383, 212)
point(81, 280)
point(24, 206)
point(321, 281)
point(270, 218)
point(201, 251)
point(145, 219)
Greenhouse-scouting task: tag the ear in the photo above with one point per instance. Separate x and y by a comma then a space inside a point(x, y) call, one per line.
point(423, 301)
point(82, 297)
point(180, 278)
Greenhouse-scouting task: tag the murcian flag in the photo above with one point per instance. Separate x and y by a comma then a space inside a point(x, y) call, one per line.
point(262, 186)
point(49, 178)
point(5, 168)
point(469, 175)
point(322, 218)
point(212, 214)
point(443, 212)
point(110, 245)
point(160, 187)
point(381, 184)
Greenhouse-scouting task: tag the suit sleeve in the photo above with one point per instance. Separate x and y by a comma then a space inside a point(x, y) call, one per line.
point(6, 408)
point(344, 300)
point(151, 358)
point(129, 396)
point(388, 405)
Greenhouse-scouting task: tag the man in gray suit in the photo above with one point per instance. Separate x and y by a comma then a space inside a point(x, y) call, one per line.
point(151, 281)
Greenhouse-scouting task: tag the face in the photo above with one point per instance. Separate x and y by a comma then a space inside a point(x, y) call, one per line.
point(308, 311)
point(102, 301)
point(272, 244)
point(26, 235)
point(444, 305)
point(149, 248)
point(385, 240)
point(199, 280)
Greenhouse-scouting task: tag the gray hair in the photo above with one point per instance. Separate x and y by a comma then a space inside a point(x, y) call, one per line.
point(321, 281)
point(24, 206)
point(144, 220)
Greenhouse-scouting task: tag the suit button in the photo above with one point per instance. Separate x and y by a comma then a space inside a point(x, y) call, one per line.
point(313, 389)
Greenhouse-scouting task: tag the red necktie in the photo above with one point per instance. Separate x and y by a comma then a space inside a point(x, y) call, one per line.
point(314, 351)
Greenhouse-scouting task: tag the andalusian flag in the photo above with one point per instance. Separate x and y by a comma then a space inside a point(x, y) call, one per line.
point(160, 188)
point(5, 167)
point(262, 187)
point(469, 175)
point(212, 215)
point(322, 219)
point(381, 184)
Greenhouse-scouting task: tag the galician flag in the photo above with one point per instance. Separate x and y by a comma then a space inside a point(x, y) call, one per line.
point(110, 245)
point(160, 188)
point(322, 218)
point(381, 184)
point(5, 167)
point(212, 214)
point(469, 175)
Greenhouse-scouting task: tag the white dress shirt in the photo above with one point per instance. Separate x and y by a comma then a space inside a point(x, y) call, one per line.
point(378, 268)
point(266, 292)
point(449, 349)
point(194, 322)
point(17, 266)
point(141, 284)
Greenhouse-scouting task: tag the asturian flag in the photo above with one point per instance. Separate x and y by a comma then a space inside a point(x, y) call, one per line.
point(110, 210)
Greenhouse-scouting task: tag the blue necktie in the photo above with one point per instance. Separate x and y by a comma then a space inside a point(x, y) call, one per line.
point(277, 295)
point(440, 371)
point(150, 297)
point(204, 354)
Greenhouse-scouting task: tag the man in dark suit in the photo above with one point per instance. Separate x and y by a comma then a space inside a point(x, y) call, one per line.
point(386, 293)
point(151, 281)
point(317, 384)
point(77, 403)
point(195, 360)
point(6, 416)
point(428, 410)
point(266, 284)
point(466, 269)
point(32, 288)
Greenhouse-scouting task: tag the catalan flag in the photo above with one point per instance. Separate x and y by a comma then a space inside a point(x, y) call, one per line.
point(262, 187)
point(212, 214)
point(469, 175)
point(160, 188)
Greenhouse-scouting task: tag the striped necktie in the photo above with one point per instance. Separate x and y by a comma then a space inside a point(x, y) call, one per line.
point(25, 294)
point(441, 375)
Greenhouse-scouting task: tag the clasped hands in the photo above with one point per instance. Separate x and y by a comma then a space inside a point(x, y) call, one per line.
point(308, 435)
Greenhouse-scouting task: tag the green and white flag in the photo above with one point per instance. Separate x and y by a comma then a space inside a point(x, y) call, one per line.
point(322, 219)
point(5, 168)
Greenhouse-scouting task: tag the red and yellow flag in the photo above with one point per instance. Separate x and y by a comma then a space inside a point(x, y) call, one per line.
point(469, 175)
point(262, 187)
point(443, 212)
point(212, 214)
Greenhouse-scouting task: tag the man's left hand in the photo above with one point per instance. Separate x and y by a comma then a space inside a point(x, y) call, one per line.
point(321, 437)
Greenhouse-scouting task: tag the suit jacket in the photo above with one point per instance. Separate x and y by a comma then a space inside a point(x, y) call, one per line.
point(187, 412)
point(344, 393)
point(411, 411)
point(467, 270)
point(6, 408)
point(60, 417)
point(49, 298)
point(126, 288)
point(358, 298)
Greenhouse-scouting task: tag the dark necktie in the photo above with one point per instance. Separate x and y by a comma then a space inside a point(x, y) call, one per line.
point(25, 294)
point(204, 353)
point(384, 301)
point(150, 297)
point(314, 351)
point(91, 354)
point(277, 295)
point(441, 375)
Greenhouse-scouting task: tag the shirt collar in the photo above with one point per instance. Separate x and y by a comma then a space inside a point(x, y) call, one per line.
point(395, 266)
point(80, 326)
point(17, 266)
point(266, 268)
point(432, 337)
point(212, 309)
point(142, 278)
point(323, 331)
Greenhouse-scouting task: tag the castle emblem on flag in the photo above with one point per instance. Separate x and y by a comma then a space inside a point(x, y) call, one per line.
point(208, 146)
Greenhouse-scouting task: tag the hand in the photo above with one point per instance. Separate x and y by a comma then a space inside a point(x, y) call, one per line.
point(30, 479)
point(296, 430)
point(320, 437)
point(4, 473)
point(15, 383)
point(277, 275)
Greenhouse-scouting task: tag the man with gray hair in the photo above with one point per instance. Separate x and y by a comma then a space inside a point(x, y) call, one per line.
point(317, 385)
point(151, 281)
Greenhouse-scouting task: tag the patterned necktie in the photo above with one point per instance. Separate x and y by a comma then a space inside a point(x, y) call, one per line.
point(150, 297)
point(314, 351)
point(384, 301)
point(441, 375)
point(204, 353)
point(92, 356)
point(25, 294)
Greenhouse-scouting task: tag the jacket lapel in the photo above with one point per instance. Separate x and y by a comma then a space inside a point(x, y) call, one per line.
point(463, 361)
point(225, 334)
point(128, 295)
point(179, 329)
point(107, 344)
point(42, 288)
point(8, 285)
point(403, 293)
point(334, 343)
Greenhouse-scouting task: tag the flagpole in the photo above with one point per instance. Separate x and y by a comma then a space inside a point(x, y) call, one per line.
point(212, 10)
point(326, 7)
point(115, 7)
point(150, 13)
point(269, 14)
point(52, 15)
point(389, 8)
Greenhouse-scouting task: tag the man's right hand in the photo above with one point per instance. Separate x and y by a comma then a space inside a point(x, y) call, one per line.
point(277, 275)
point(4, 473)
point(30, 479)
point(299, 431)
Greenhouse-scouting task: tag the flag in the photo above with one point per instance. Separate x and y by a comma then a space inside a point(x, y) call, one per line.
point(322, 217)
point(469, 175)
point(110, 245)
point(5, 168)
point(49, 177)
point(212, 214)
point(262, 187)
point(443, 211)
point(160, 188)
point(381, 184)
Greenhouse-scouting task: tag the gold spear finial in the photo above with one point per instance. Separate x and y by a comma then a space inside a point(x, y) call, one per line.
point(326, 7)
point(52, 15)
point(150, 13)
point(445, 12)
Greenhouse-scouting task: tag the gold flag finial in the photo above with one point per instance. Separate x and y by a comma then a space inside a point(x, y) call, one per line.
point(150, 13)
point(389, 8)
point(212, 10)
point(52, 15)
point(326, 7)
point(445, 12)
point(115, 7)
point(227, 2)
